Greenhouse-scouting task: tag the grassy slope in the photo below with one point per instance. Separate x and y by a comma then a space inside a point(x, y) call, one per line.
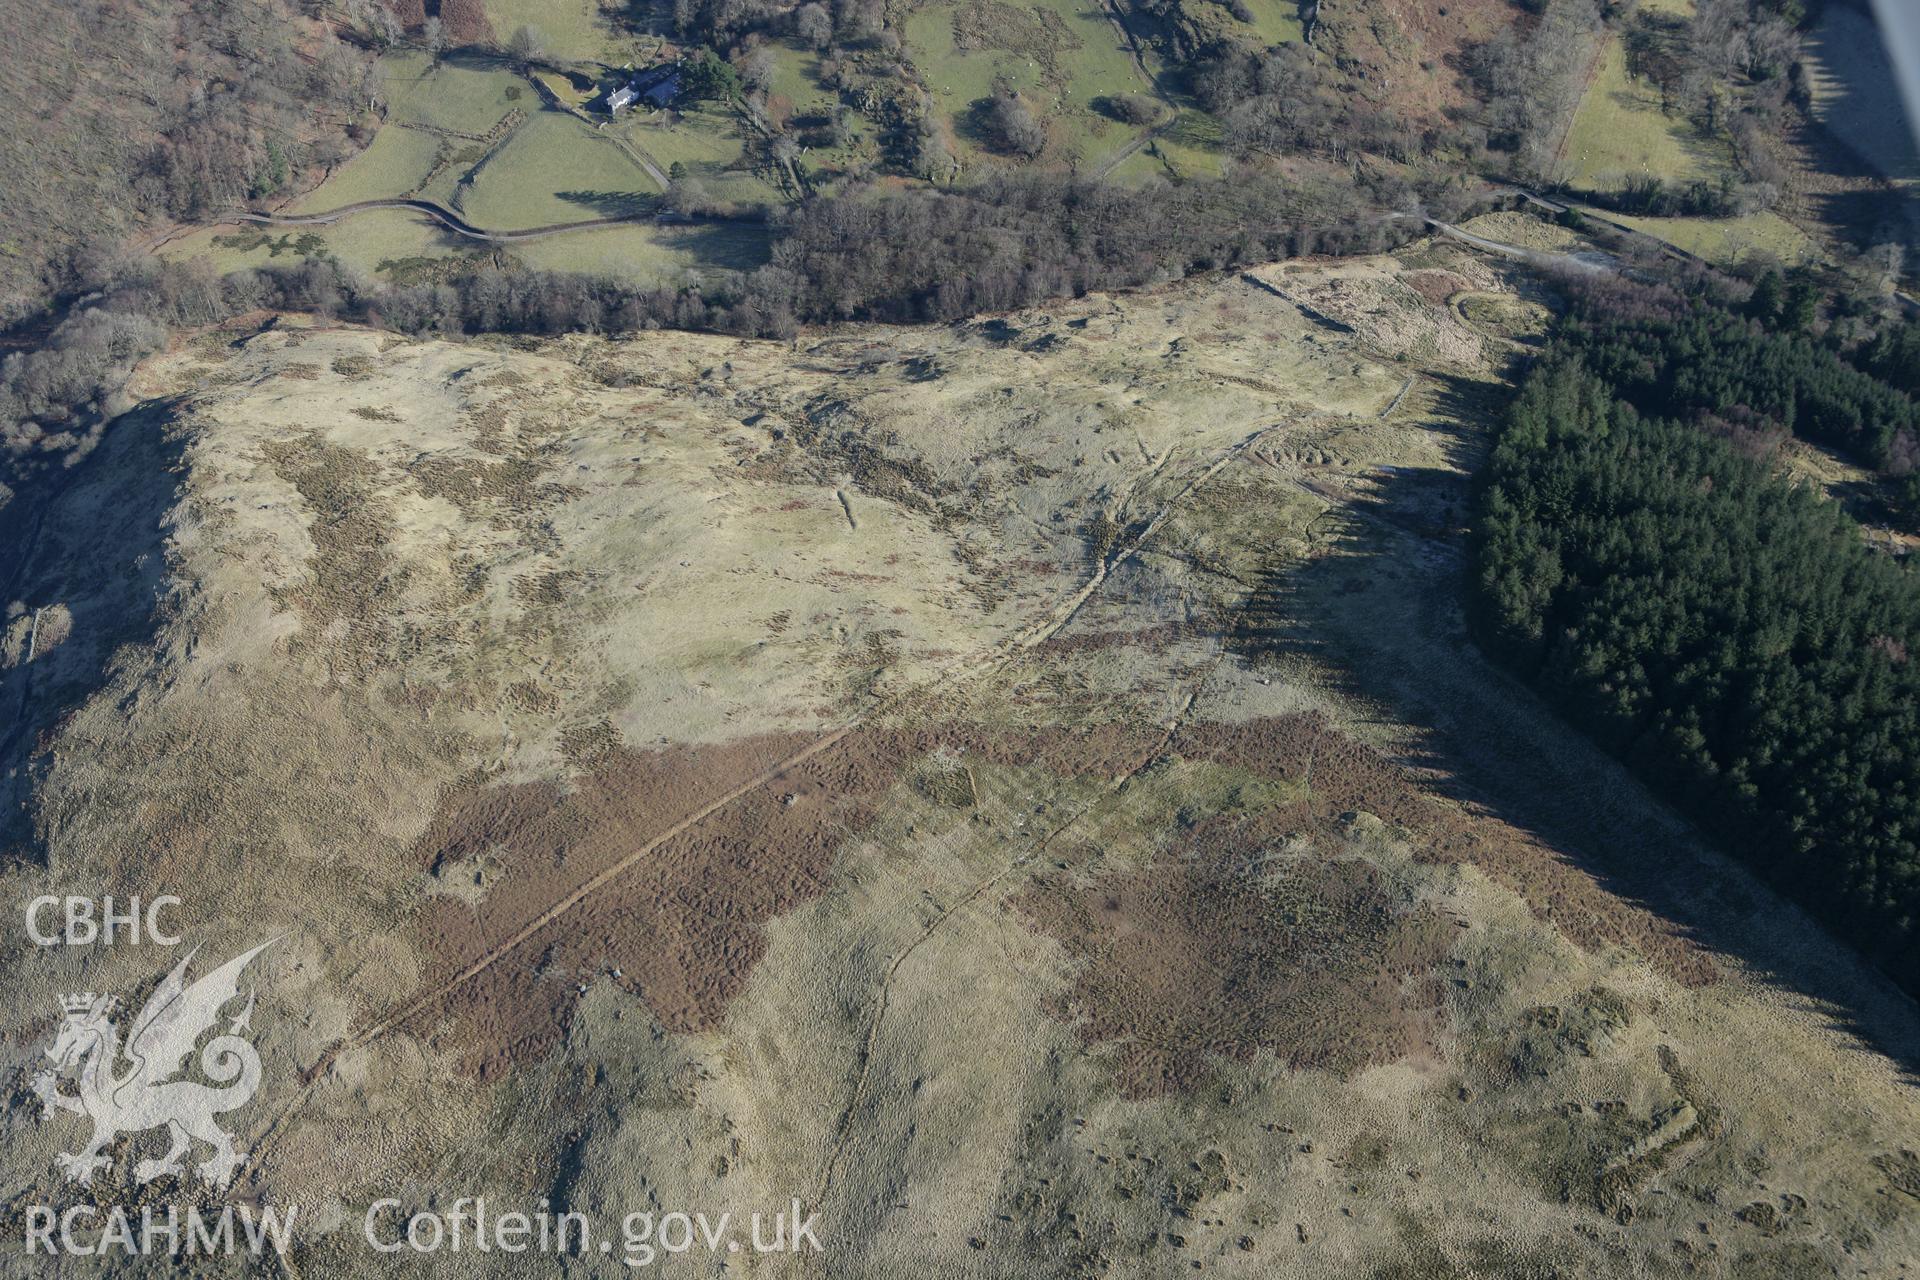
point(1316, 570)
point(554, 169)
point(1274, 21)
point(362, 242)
point(1728, 240)
point(1059, 59)
point(396, 161)
point(705, 142)
point(1620, 131)
point(571, 30)
point(389, 244)
point(469, 97)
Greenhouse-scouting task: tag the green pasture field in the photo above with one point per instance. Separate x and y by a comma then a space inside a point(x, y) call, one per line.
point(707, 143)
point(1620, 131)
point(796, 77)
point(1059, 55)
point(651, 254)
point(466, 96)
point(554, 168)
point(572, 30)
point(703, 141)
point(395, 162)
point(1192, 144)
point(361, 242)
point(1729, 240)
point(428, 107)
point(395, 245)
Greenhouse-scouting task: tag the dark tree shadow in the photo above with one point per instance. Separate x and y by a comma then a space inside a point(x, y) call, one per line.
point(1384, 617)
point(975, 125)
point(723, 246)
point(1866, 110)
point(1864, 136)
point(613, 204)
point(85, 550)
point(1870, 214)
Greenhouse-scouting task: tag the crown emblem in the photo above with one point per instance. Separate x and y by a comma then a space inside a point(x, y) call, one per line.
point(80, 1005)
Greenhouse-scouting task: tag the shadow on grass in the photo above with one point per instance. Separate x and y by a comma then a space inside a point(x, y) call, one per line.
point(85, 551)
point(1383, 617)
point(1865, 111)
point(723, 246)
point(613, 204)
point(1869, 214)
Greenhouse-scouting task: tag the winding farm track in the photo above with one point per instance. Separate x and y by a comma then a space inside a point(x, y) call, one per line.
point(1537, 258)
point(459, 225)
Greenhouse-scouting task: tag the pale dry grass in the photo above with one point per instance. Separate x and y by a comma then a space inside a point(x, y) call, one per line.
point(406, 571)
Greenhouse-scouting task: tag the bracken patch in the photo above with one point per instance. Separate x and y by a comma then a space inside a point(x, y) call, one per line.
point(1344, 776)
point(1314, 964)
point(1201, 955)
point(682, 928)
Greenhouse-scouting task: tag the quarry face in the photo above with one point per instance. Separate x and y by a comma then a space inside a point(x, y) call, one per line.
point(1016, 795)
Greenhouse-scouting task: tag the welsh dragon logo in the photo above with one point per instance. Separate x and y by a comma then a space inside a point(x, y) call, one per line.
point(147, 1094)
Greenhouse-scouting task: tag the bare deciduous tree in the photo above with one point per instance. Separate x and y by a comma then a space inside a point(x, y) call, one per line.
point(756, 71)
point(813, 24)
point(526, 44)
point(1013, 126)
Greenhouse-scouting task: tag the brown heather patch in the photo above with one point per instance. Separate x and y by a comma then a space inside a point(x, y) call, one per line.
point(1201, 955)
point(1040, 34)
point(1215, 950)
point(1435, 286)
point(466, 22)
point(1345, 776)
point(508, 492)
point(683, 927)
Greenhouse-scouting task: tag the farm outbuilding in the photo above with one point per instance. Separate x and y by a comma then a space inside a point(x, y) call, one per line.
point(657, 88)
point(663, 91)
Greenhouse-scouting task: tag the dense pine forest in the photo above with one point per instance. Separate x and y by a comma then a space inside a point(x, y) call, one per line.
point(1641, 560)
point(1752, 365)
